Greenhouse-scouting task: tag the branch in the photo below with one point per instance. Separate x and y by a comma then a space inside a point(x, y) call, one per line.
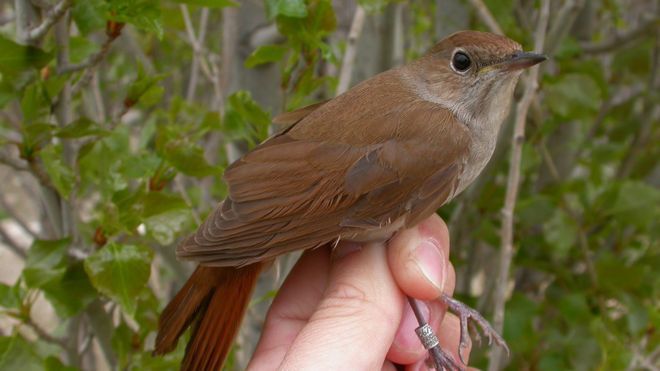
point(91, 61)
point(11, 244)
point(513, 182)
point(486, 16)
point(622, 39)
point(13, 162)
point(351, 49)
point(53, 16)
point(14, 215)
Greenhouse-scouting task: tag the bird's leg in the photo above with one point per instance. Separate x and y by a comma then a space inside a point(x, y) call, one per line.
point(467, 314)
point(441, 360)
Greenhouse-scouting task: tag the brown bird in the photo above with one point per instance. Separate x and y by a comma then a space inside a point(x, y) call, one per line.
point(381, 157)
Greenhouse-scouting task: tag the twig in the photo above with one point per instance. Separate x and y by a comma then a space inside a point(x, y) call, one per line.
point(11, 244)
point(486, 17)
point(564, 19)
point(53, 16)
point(13, 162)
point(91, 61)
point(622, 39)
point(196, 42)
point(182, 191)
point(10, 210)
point(25, 15)
point(351, 49)
point(513, 182)
point(43, 334)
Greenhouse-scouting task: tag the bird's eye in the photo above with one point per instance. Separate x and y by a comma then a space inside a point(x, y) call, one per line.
point(461, 62)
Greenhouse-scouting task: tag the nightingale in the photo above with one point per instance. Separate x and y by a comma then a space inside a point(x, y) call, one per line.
point(381, 157)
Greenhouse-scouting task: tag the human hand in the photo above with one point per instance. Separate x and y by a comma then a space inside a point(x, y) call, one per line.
point(346, 309)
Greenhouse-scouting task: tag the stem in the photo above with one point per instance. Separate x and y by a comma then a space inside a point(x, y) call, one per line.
point(513, 183)
point(486, 16)
point(351, 50)
point(53, 16)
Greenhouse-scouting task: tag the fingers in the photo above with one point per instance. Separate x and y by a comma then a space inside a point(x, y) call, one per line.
point(419, 260)
point(355, 322)
point(294, 304)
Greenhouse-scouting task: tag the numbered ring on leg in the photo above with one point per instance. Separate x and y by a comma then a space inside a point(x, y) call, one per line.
point(427, 336)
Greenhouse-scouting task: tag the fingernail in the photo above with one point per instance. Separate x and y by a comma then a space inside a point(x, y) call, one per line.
point(344, 249)
point(431, 262)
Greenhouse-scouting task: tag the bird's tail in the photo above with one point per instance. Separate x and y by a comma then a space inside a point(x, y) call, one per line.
point(216, 299)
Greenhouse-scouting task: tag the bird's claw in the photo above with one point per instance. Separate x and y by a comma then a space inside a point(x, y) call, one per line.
point(469, 316)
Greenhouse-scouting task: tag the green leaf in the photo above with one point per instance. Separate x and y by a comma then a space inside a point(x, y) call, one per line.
point(560, 233)
point(52, 363)
point(9, 296)
point(265, 54)
point(287, 8)
point(16, 353)
point(82, 127)
point(81, 48)
point(210, 3)
point(155, 203)
point(636, 203)
point(120, 272)
point(71, 293)
point(165, 227)
point(36, 136)
point(189, 159)
point(60, 174)
point(244, 119)
point(44, 261)
point(142, 84)
point(144, 14)
point(89, 15)
point(574, 95)
point(16, 58)
point(35, 102)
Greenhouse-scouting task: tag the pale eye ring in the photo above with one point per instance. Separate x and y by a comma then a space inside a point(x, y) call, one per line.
point(461, 62)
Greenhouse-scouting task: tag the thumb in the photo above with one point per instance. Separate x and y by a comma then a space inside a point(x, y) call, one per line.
point(355, 321)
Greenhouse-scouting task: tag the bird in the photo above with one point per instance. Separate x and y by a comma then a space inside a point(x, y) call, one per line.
point(379, 158)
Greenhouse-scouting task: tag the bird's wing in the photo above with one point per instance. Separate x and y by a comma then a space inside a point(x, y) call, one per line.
point(285, 120)
point(294, 193)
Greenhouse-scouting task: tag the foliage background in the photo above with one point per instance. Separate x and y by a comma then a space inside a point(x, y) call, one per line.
point(117, 118)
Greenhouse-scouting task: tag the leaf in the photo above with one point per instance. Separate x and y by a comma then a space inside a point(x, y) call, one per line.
point(142, 84)
point(144, 14)
point(60, 174)
point(636, 203)
point(52, 363)
point(35, 102)
point(155, 203)
point(574, 95)
point(210, 3)
point(80, 128)
point(71, 293)
point(16, 353)
point(81, 48)
point(89, 15)
point(560, 233)
point(165, 227)
point(287, 8)
point(189, 159)
point(244, 119)
point(36, 136)
point(265, 54)
point(44, 261)
point(9, 296)
point(120, 272)
point(16, 58)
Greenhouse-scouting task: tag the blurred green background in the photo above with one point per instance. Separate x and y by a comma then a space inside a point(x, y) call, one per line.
point(118, 116)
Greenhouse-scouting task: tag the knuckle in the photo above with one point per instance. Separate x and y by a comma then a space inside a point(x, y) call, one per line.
point(347, 301)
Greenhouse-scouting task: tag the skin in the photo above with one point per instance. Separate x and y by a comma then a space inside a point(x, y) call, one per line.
point(346, 309)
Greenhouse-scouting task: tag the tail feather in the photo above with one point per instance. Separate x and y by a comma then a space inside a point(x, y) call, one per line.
point(216, 298)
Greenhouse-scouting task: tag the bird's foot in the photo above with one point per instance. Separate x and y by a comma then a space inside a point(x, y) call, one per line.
point(468, 317)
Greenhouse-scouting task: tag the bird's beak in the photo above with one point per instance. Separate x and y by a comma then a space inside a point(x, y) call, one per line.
point(522, 60)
